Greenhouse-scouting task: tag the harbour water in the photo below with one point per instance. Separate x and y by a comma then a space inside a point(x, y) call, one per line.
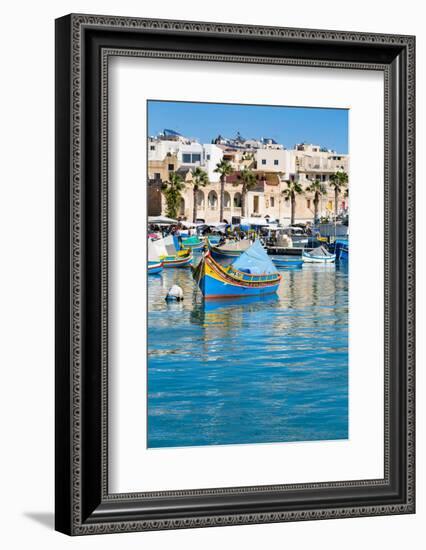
point(260, 371)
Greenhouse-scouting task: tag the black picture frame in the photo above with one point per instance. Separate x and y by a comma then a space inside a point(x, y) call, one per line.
point(83, 46)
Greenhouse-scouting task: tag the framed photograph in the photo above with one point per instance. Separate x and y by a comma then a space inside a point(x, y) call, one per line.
point(234, 274)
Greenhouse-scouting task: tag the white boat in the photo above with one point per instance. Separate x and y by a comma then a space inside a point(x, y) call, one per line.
point(165, 251)
point(319, 255)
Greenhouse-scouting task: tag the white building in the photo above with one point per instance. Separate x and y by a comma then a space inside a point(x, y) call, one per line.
point(188, 152)
point(276, 160)
point(212, 155)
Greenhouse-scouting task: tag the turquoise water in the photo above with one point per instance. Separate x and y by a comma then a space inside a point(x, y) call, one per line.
point(252, 371)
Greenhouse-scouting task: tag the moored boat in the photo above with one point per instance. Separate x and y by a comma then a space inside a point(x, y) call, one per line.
point(167, 253)
point(192, 242)
point(182, 259)
point(341, 249)
point(155, 267)
point(230, 249)
point(251, 274)
point(155, 264)
point(287, 263)
point(319, 255)
point(213, 239)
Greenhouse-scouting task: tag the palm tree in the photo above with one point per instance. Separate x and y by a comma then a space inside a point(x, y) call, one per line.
point(293, 189)
point(318, 189)
point(338, 180)
point(199, 179)
point(171, 190)
point(248, 180)
point(224, 169)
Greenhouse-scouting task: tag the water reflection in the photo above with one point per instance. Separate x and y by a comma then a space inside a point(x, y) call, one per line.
point(249, 370)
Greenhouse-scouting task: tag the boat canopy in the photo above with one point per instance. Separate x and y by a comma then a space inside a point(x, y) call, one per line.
point(255, 260)
point(193, 240)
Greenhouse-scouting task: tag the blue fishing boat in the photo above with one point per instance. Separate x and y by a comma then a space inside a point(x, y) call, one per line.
point(287, 263)
point(155, 267)
point(341, 249)
point(251, 274)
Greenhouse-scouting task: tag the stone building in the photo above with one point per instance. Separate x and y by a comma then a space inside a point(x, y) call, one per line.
point(271, 162)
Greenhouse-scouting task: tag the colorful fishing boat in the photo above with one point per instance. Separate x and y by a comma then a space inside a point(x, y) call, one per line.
point(155, 267)
point(319, 255)
point(182, 259)
point(230, 249)
point(193, 243)
point(166, 252)
point(287, 263)
point(251, 274)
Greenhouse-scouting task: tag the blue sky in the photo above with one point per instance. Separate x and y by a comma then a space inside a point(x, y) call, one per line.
point(287, 125)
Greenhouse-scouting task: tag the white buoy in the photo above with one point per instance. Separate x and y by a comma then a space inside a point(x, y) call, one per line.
point(175, 293)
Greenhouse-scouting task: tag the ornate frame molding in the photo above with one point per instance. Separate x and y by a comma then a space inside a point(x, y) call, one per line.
point(72, 45)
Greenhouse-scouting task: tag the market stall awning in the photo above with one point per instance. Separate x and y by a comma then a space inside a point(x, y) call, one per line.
point(161, 220)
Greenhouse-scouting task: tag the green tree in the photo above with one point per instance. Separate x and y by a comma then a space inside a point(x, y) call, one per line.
point(247, 179)
point(199, 179)
point(339, 181)
point(224, 169)
point(290, 193)
point(317, 189)
point(171, 191)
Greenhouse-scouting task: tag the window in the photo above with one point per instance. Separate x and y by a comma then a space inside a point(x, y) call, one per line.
point(308, 203)
point(200, 198)
point(256, 204)
point(275, 162)
point(171, 167)
point(182, 207)
point(208, 157)
point(263, 161)
point(272, 202)
point(190, 158)
point(227, 200)
point(237, 200)
point(152, 147)
point(212, 200)
point(157, 176)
